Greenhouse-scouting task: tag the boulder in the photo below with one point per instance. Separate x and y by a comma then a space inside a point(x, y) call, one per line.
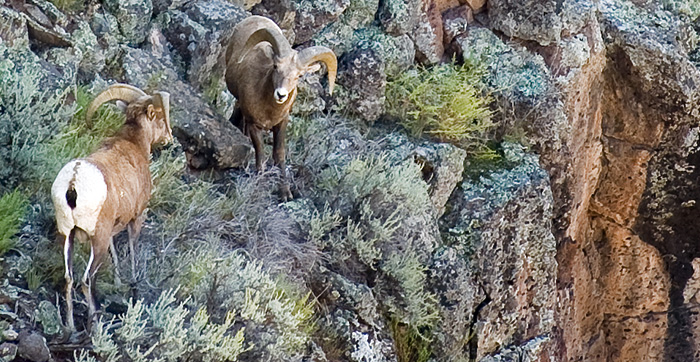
point(312, 16)
point(442, 164)
point(208, 139)
point(93, 57)
point(200, 33)
point(541, 21)
point(341, 35)
point(455, 22)
point(427, 35)
point(8, 352)
point(32, 347)
point(133, 16)
point(398, 17)
point(362, 83)
point(282, 12)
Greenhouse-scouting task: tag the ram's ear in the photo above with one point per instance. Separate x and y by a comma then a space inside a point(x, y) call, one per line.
point(122, 106)
point(151, 112)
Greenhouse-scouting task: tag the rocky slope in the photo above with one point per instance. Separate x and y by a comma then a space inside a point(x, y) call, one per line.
point(577, 244)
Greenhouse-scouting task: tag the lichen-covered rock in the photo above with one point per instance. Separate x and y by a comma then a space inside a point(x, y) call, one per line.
point(133, 16)
point(398, 17)
point(282, 12)
point(219, 18)
point(50, 10)
point(396, 52)
point(530, 351)
point(182, 32)
point(363, 80)
point(341, 35)
point(246, 4)
point(312, 16)
point(207, 139)
point(441, 164)
point(455, 22)
point(200, 32)
point(32, 346)
point(540, 21)
point(8, 352)
point(47, 314)
point(13, 29)
point(93, 58)
point(354, 320)
point(427, 35)
point(501, 222)
point(453, 279)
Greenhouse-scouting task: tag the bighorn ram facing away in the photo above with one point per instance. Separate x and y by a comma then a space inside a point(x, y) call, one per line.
point(99, 196)
point(262, 71)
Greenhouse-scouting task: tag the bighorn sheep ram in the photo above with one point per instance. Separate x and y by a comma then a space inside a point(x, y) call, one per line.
point(262, 71)
point(106, 192)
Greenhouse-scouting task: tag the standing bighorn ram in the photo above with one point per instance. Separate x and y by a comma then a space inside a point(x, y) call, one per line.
point(262, 71)
point(101, 195)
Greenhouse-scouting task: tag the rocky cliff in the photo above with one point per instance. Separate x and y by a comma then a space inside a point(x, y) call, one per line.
point(560, 230)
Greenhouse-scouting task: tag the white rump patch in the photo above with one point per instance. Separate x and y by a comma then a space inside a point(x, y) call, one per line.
point(91, 190)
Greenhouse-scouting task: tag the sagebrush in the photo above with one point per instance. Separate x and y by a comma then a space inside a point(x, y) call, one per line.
point(444, 101)
point(13, 208)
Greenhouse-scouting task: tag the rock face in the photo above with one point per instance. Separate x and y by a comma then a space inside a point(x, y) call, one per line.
point(616, 93)
point(208, 140)
point(511, 292)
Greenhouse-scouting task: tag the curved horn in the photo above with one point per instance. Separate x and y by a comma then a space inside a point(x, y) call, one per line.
point(123, 92)
point(253, 30)
point(161, 100)
point(314, 54)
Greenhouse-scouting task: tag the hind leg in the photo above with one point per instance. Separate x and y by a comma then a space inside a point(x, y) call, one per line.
point(68, 260)
point(134, 230)
point(98, 248)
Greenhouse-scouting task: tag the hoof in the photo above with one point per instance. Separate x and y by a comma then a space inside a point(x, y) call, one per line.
point(285, 193)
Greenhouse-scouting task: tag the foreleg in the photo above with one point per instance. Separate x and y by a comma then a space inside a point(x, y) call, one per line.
point(279, 147)
point(256, 138)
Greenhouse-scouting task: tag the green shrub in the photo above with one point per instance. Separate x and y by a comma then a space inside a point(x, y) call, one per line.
point(69, 5)
point(410, 346)
point(29, 115)
point(369, 222)
point(223, 281)
point(165, 331)
point(181, 208)
point(13, 208)
point(444, 101)
point(689, 8)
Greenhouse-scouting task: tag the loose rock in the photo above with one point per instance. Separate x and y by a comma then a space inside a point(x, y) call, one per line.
point(32, 346)
point(134, 17)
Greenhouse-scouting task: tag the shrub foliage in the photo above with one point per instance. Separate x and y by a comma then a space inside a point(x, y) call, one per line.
point(444, 101)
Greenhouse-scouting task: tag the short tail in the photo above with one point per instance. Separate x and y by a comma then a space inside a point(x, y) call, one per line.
point(71, 196)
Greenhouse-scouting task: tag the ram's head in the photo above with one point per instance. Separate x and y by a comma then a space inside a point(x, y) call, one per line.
point(151, 112)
